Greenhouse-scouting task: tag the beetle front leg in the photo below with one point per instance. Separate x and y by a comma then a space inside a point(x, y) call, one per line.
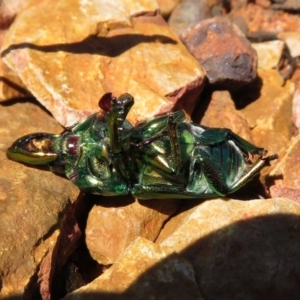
point(177, 163)
point(115, 118)
point(170, 164)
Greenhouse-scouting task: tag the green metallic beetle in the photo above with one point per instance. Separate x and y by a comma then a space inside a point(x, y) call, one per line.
point(166, 157)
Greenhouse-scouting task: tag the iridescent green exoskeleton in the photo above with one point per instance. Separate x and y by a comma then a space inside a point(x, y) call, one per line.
point(165, 157)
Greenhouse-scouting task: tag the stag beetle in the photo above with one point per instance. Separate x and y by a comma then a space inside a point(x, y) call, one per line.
point(165, 157)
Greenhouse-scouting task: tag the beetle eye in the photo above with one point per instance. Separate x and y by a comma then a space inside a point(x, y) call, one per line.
point(73, 145)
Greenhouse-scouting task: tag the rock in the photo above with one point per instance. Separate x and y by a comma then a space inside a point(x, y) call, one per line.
point(239, 248)
point(143, 271)
point(191, 12)
point(166, 7)
point(32, 203)
point(8, 12)
point(285, 173)
point(42, 286)
point(106, 51)
point(10, 85)
point(261, 19)
point(221, 112)
point(292, 39)
point(288, 5)
point(118, 221)
point(71, 264)
point(264, 3)
point(270, 114)
point(296, 110)
point(269, 53)
point(226, 55)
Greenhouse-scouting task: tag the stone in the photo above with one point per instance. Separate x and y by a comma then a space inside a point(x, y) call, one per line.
point(269, 116)
point(32, 203)
point(191, 12)
point(10, 85)
point(263, 3)
point(221, 112)
point(8, 12)
point(166, 7)
point(239, 248)
point(296, 110)
point(259, 19)
point(115, 223)
point(269, 53)
point(292, 39)
point(285, 172)
point(143, 271)
point(224, 52)
point(122, 47)
point(287, 5)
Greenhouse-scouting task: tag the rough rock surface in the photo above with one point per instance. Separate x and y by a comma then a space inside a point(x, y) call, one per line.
point(246, 247)
point(167, 6)
point(223, 248)
point(143, 271)
point(191, 12)
point(269, 53)
point(10, 85)
point(219, 111)
point(120, 47)
point(271, 127)
point(296, 109)
point(285, 172)
point(223, 51)
point(292, 39)
point(114, 224)
point(32, 202)
point(288, 5)
point(258, 19)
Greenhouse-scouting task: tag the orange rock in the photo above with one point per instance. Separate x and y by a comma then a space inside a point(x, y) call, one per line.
point(143, 271)
point(285, 172)
point(117, 222)
point(69, 57)
point(221, 112)
point(10, 85)
point(236, 245)
point(261, 19)
point(269, 116)
point(31, 202)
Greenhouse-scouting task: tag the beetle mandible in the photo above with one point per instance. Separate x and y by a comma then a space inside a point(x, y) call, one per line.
point(166, 157)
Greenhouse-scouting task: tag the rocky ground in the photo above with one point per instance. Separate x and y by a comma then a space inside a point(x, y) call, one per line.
point(232, 64)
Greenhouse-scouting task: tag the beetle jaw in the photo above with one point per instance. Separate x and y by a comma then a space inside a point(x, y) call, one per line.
point(34, 149)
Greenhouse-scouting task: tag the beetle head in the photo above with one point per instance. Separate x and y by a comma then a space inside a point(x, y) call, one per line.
point(55, 150)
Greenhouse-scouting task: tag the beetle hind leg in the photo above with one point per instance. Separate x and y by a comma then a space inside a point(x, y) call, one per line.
point(212, 172)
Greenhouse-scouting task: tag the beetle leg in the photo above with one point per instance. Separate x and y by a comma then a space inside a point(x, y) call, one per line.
point(115, 118)
point(252, 171)
point(159, 161)
point(174, 143)
point(211, 170)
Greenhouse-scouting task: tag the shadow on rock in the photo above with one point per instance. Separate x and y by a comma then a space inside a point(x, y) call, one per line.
point(93, 44)
point(253, 259)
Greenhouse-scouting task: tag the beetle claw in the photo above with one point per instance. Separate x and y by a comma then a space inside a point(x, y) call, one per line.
point(271, 157)
point(33, 149)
